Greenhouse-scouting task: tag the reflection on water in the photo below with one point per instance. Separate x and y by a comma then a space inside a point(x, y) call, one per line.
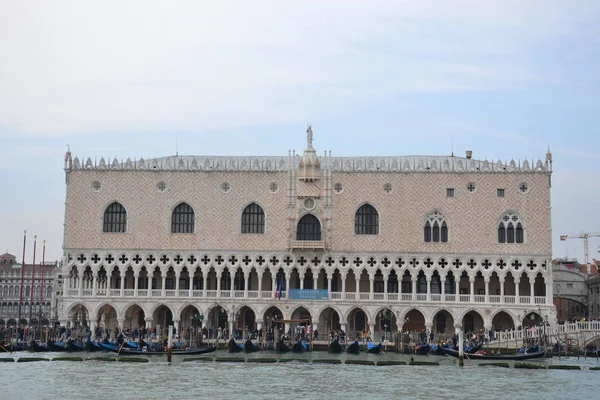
point(159, 380)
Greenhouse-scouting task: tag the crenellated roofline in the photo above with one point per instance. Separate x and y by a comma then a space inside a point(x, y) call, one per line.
point(423, 164)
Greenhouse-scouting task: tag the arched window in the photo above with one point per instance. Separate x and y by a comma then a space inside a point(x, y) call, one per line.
point(253, 219)
point(115, 218)
point(182, 219)
point(309, 228)
point(510, 229)
point(366, 220)
point(436, 229)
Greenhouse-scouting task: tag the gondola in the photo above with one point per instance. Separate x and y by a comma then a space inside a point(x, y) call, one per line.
point(250, 347)
point(10, 347)
point(36, 347)
point(507, 357)
point(281, 347)
point(437, 350)
point(422, 349)
point(74, 346)
point(353, 348)
point(57, 346)
point(233, 347)
point(92, 346)
point(299, 347)
point(335, 347)
point(373, 348)
point(175, 352)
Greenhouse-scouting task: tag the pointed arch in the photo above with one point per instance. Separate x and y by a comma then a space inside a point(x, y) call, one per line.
point(253, 219)
point(510, 228)
point(308, 228)
point(366, 220)
point(435, 228)
point(115, 218)
point(183, 219)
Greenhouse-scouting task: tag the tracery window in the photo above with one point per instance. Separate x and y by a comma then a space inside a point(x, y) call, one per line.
point(115, 218)
point(253, 219)
point(366, 220)
point(183, 219)
point(510, 229)
point(436, 229)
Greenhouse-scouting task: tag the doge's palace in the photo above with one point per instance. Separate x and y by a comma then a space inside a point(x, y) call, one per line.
point(355, 243)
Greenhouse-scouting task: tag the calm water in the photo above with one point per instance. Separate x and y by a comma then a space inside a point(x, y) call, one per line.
point(209, 380)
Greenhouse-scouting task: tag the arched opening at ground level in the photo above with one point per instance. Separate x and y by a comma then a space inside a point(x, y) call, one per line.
point(78, 316)
point(385, 323)
point(414, 321)
point(329, 321)
point(443, 323)
point(357, 323)
point(502, 321)
point(191, 325)
point(106, 318)
point(162, 317)
point(135, 318)
point(245, 322)
point(472, 322)
point(532, 319)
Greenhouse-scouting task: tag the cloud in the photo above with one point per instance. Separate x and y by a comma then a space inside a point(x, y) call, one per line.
point(73, 68)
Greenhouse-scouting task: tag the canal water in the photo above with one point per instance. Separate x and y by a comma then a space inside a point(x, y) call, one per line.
point(291, 380)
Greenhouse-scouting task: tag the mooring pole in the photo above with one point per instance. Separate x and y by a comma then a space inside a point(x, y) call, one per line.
point(461, 346)
point(170, 344)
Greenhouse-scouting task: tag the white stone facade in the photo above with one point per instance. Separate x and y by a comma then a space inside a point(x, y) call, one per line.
point(147, 274)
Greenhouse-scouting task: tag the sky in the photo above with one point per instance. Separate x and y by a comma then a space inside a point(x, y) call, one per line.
point(505, 79)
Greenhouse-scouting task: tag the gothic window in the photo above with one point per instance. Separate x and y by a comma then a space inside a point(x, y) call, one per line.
point(115, 218)
point(309, 228)
point(510, 229)
point(253, 219)
point(366, 221)
point(182, 219)
point(436, 229)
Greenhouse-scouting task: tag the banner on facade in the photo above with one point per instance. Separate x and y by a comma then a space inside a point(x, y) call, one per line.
point(307, 294)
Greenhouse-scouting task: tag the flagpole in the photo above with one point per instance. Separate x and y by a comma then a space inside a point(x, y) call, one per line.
point(42, 289)
point(22, 278)
point(32, 278)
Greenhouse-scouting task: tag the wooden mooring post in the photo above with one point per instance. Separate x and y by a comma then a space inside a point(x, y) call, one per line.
point(461, 348)
point(170, 344)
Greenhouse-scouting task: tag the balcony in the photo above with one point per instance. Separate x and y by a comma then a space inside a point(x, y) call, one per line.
point(308, 244)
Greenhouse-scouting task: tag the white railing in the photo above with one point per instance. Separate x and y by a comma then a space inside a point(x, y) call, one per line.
point(392, 297)
point(142, 292)
point(101, 292)
point(436, 297)
point(184, 293)
point(464, 298)
point(266, 294)
point(479, 298)
point(170, 293)
point(129, 292)
point(525, 299)
point(540, 299)
point(308, 244)
point(238, 294)
point(336, 295)
point(378, 296)
point(72, 292)
point(115, 292)
point(225, 294)
point(86, 292)
point(156, 292)
point(211, 293)
point(510, 299)
point(364, 296)
point(495, 299)
point(351, 296)
point(406, 296)
point(450, 297)
point(197, 293)
point(253, 294)
point(421, 296)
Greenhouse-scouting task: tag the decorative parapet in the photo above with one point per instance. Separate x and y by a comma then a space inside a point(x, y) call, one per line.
point(336, 164)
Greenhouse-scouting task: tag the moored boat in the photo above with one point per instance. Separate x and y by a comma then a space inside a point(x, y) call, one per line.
point(175, 352)
point(281, 347)
point(353, 348)
point(507, 357)
point(250, 347)
point(37, 347)
point(299, 347)
point(373, 348)
point(335, 347)
point(233, 347)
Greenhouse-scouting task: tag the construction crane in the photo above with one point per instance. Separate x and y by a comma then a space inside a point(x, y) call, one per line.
point(586, 237)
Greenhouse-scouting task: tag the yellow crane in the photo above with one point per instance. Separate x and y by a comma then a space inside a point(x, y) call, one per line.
point(586, 237)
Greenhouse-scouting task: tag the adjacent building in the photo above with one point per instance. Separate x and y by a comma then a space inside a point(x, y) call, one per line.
point(355, 243)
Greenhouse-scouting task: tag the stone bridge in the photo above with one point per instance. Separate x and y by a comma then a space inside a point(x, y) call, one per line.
point(581, 333)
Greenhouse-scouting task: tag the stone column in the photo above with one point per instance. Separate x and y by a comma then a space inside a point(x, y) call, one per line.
point(94, 286)
point(80, 284)
point(204, 283)
point(177, 276)
point(502, 289)
point(457, 289)
point(428, 279)
point(148, 322)
point(136, 283)
point(371, 287)
point(123, 276)
point(120, 323)
point(472, 289)
point(487, 290)
point(517, 294)
point(329, 286)
point(532, 293)
point(343, 288)
point(274, 287)
point(287, 287)
point(164, 283)
point(548, 293)
point(93, 326)
point(260, 278)
point(302, 282)
point(258, 325)
point(245, 286)
point(443, 287)
point(428, 329)
point(385, 288)
point(231, 320)
point(372, 329)
point(315, 282)
point(357, 282)
point(191, 284)
point(457, 328)
point(218, 285)
point(414, 288)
